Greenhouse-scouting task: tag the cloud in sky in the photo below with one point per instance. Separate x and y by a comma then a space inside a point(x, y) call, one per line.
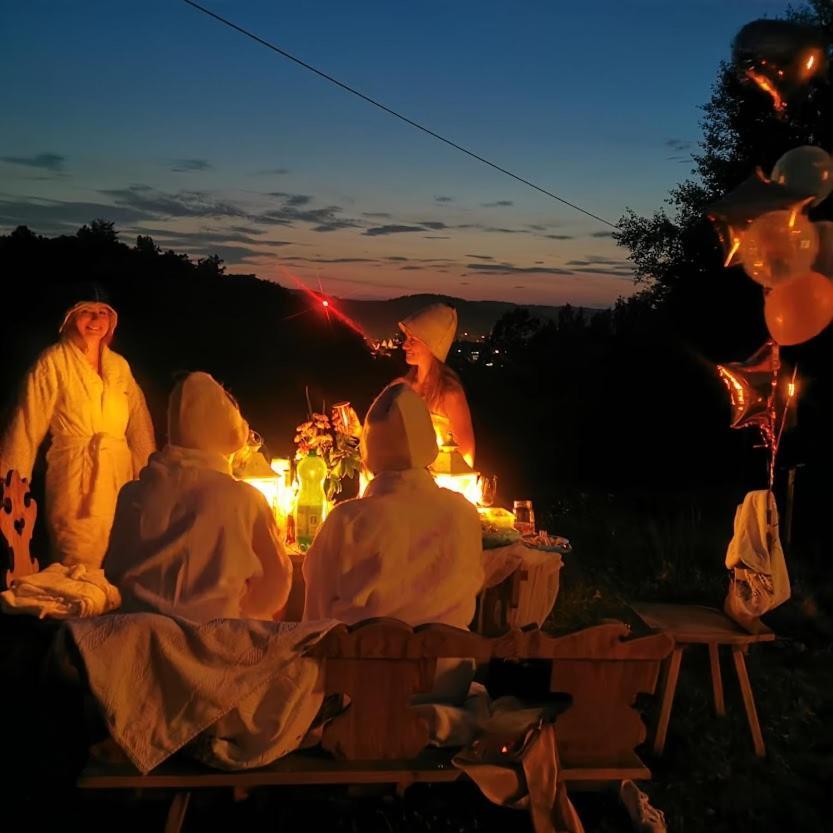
point(481, 257)
point(442, 199)
point(63, 216)
point(559, 236)
point(601, 234)
point(271, 172)
point(187, 166)
point(332, 259)
point(208, 236)
point(321, 219)
point(680, 149)
point(509, 269)
point(378, 231)
point(53, 162)
point(497, 204)
point(382, 215)
point(180, 204)
point(294, 200)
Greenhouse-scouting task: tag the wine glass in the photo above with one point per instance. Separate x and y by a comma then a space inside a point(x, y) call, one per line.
point(488, 489)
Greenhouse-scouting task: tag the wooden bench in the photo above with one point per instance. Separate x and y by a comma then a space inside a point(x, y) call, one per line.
point(380, 664)
point(696, 625)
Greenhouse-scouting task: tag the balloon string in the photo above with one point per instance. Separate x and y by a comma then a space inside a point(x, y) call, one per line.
point(773, 437)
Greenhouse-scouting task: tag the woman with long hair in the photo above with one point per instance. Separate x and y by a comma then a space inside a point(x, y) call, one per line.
point(429, 335)
point(84, 396)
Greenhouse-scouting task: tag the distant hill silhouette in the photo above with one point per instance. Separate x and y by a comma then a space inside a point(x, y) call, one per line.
point(477, 318)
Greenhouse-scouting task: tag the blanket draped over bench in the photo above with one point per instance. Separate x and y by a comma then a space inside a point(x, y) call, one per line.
point(160, 682)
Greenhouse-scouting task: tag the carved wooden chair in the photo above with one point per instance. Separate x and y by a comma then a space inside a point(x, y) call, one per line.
point(18, 512)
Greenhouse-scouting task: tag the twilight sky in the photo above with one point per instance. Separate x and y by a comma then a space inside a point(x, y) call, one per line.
point(163, 120)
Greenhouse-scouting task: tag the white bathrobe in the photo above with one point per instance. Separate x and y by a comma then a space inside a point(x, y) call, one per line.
point(101, 435)
point(407, 549)
point(188, 539)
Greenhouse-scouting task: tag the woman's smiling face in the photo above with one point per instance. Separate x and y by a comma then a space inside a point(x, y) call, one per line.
point(93, 322)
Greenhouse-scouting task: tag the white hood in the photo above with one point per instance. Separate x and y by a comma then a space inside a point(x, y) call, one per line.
point(202, 416)
point(398, 433)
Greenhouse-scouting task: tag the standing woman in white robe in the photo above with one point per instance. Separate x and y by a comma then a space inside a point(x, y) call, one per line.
point(429, 334)
point(84, 395)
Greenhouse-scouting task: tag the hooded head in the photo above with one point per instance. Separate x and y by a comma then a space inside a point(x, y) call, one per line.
point(435, 326)
point(398, 433)
point(88, 297)
point(201, 415)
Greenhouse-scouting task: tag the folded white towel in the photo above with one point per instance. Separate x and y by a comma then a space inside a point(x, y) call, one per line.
point(61, 592)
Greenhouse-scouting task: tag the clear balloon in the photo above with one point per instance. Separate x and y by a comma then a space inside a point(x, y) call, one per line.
point(778, 247)
point(824, 259)
point(807, 171)
point(800, 309)
point(733, 214)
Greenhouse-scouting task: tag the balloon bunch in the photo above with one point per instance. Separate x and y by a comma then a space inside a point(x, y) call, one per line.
point(763, 226)
point(761, 396)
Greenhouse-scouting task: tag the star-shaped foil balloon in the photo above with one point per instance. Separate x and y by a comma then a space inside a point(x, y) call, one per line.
point(750, 387)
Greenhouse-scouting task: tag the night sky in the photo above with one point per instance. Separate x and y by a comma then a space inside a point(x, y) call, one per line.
point(163, 120)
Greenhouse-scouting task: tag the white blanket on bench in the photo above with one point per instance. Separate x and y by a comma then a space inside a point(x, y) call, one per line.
point(244, 684)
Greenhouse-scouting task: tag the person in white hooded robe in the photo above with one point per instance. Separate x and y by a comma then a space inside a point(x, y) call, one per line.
point(407, 549)
point(188, 539)
point(84, 396)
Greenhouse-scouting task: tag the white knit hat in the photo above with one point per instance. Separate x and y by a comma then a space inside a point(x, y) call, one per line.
point(435, 326)
point(398, 433)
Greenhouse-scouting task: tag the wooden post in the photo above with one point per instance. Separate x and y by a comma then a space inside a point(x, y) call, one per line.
point(788, 510)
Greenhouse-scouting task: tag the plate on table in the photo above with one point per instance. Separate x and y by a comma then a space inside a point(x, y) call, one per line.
point(548, 543)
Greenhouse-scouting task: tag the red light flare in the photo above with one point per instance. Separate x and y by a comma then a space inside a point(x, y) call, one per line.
point(319, 300)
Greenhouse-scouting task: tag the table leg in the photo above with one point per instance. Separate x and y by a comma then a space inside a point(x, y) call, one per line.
point(748, 701)
point(717, 680)
point(176, 812)
point(668, 689)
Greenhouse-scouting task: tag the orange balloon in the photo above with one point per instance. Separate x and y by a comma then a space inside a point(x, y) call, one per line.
point(799, 309)
point(779, 246)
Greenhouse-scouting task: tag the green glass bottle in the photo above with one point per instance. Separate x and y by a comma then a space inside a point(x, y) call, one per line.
point(312, 502)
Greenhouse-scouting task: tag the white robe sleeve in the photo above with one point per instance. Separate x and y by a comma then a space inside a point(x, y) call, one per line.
point(267, 592)
point(322, 570)
point(31, 419)
point(139, 433)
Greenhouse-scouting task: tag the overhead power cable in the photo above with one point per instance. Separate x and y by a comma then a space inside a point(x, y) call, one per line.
point(391, 112)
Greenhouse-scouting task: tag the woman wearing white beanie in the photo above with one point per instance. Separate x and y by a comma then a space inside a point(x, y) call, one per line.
point(429, 335)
